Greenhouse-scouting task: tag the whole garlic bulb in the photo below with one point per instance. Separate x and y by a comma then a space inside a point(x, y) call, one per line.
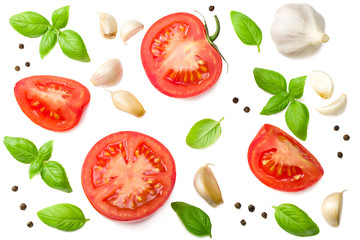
point(298, 30)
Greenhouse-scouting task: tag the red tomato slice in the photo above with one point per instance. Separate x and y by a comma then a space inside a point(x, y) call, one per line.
point(128, 176)
point(54, 103)
point(281, 162)
point(177, 58)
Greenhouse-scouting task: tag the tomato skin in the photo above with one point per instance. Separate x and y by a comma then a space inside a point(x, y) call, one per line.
point(98, 196)
point(54, 103)
point(279, 161)
point(193, 45)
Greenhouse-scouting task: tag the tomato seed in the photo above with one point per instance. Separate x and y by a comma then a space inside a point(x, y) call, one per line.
point(243, 222)
point(340, 154)
point(21, 46)
point(27, 64)
point(251, 208)
point(30, 224)
point(14, 188)
point(264, 215)
point(246, 109)
point(336, 128)
point(346, 137)
point(211, 8)
point(17, 68)
point(23, 206)
point(237, 205)
point(235, 100)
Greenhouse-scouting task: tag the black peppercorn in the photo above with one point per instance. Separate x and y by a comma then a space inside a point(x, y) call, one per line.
point(21, 46)
point(251, 208)
point(30, 224)
point(211, 8)
point(243, 222)
point(264, 215)
point(235, 100)
point(14, 188)
point(346, 137)
point(27, 64)
point(246, 109)
point(336, 128)
point(23, 206)
point(237, 205)
point(340, 154)
point(17, 68)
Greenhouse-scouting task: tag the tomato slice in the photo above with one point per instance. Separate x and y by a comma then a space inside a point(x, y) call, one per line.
point(177, 57)
point(54, 103)
point(128, 176)
point(281, 162)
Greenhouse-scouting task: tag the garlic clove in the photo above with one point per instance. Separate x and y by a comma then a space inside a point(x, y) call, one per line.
point(129, 29)
point(109, 74)
point(331, 208)
point(335, 108)
point(125, 101)
point(108, 25)
point(206, 185)
point(321, 83)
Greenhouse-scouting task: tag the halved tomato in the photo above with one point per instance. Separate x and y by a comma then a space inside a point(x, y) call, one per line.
point(128, 176)
point(54, 103)
point(281, 162)
point(178, 58)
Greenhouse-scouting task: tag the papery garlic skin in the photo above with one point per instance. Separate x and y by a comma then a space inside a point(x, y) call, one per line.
point(322, 84)
point(335, 108)
point(109, 74)
point(108, 25)
point(127, 102)
point(331, 208)
point(298, 30)
point(206, 185)
point(129, 29)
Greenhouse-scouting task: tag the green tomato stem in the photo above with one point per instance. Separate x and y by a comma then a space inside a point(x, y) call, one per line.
point(216, 34)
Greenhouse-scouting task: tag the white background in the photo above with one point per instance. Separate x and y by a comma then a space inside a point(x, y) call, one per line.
point(169, 121)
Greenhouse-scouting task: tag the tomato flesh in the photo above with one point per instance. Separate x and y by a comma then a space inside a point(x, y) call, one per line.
point(281, 162)
point(177, 57)
point(54, 103)
point(128, 176)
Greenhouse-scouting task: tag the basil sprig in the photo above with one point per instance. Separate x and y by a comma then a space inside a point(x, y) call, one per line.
point(295, 221)
point(65, 216)
point(204, 133)
point(246, 29)
point(51, 172)
point(297, 114)
point(33, 25)
point(195, 220)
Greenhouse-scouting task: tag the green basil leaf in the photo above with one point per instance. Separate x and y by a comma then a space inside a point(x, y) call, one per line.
point(65, 216)
point(35, 167)
point(270, 81)
point(54, 176)
point(45, 151)
point(29, 24)
point(204, 133)
point(296, 87)
point(73, 46)
point(276, 104)
point(295, 221)
point(47, 43)
point(21, 149)
point(246, 29)
point(60, 17)
point(195, 220)
point(297, 119)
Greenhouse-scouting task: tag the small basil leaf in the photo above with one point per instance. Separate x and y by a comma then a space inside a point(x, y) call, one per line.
point(60, 17)
point(195, 220)
point(65, 216)
point(297, 119)
point(270, 81)
point(35, 167)
point(47, 43)
point(45, 151)
point(30, 24)
point(295, 221)
point(54, 176)
point(73, 46)
point(204, 133)
point(21, 149)
point(246, 29)
point(296, 87)
point(276, 104)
